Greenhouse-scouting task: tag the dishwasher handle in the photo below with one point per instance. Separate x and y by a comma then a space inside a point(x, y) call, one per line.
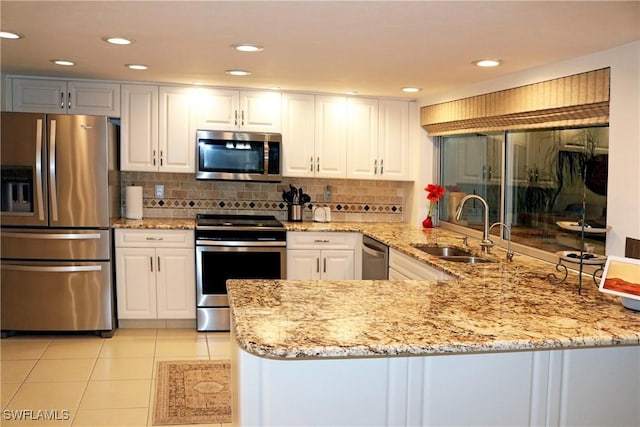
point(372, 251)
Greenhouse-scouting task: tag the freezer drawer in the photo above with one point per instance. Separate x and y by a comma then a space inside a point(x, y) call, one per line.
point(56, 296)
point(41, 244)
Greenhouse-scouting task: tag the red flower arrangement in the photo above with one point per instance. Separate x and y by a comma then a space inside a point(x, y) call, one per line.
point(434, 192)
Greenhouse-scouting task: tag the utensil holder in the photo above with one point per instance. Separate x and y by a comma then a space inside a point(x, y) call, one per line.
point(295, 213)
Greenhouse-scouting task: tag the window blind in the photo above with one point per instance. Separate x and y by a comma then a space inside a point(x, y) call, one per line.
point(577, 100)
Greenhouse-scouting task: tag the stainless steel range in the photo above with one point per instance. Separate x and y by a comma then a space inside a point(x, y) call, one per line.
point(233, 247)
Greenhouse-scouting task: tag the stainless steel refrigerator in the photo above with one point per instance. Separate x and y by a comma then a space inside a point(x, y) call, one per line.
point(59, 191)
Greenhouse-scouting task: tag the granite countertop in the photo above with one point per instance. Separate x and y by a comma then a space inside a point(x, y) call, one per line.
point(487, 307)
point(157, 223)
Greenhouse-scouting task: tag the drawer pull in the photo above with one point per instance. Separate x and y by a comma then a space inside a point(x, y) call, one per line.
point(321, 241)
point(155, 238)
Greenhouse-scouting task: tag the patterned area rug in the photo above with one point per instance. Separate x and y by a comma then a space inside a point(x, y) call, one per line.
point(192, 392)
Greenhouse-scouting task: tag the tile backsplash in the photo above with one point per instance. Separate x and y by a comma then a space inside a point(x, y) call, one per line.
point(184, 197)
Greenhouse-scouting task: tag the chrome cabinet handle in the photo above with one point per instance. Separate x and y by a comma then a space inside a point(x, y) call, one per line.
point(61, 99)
point(311, 164)
point(161, 157)
point(381, 166)
point(69, 100)
point(154, 238)
point(318, 165)
point(39, 194)
point(375, 167)
point(154, 157)
point(236, 118)
point(242, 118)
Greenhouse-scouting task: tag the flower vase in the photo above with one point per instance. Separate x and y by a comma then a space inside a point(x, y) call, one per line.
point(427, 223)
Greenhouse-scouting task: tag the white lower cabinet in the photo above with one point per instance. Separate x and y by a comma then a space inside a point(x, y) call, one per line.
point(403, 267)
point(323, 255)
point(155, 274)
point(577, 387)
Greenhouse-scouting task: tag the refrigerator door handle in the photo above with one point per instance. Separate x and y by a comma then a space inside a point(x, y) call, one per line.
point(53, 190)
point(54, 269)
point(48, 236)
point(39, 196)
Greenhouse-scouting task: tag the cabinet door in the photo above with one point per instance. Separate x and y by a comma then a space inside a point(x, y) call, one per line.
point(136, 283)
point(39, 96)
point(260, 111)
point(338, 265)
point(177, 134)
point(303, 264)
point(331, 137)
point(216, 109)
point(93, 98)
point(362, 138)
point(175, 273)
point(298, 134)
point(139, 128)
point(393, 143)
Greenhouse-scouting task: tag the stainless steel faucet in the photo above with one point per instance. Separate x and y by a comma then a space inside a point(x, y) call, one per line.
point(486, 242)
point(506, 227)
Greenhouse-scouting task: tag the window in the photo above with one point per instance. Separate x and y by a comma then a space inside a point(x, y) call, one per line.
point(542, 183)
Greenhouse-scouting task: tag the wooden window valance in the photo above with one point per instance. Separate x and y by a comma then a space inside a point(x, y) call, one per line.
point(578, 100)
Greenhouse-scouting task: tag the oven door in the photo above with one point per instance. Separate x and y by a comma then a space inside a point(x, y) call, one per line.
point(216, 264)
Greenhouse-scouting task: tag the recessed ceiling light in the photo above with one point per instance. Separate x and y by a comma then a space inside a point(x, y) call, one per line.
point(136, 66)
point(64, 62)
point(238, 72)
point(118, 40)
point(247, 47)
point(487, 62)
point(9, 35)
point(411, 89)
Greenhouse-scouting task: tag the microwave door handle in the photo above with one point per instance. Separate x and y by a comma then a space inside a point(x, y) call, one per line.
point(53, 190)
point(266, 157)
point(39, 195)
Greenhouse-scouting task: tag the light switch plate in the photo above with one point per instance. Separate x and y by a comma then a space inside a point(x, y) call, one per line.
point(159, 191)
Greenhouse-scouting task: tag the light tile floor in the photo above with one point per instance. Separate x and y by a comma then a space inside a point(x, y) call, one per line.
point(96, 381)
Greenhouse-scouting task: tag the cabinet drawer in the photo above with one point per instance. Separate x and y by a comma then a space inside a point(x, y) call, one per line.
point(414, 269)
point(154, 238)
point(323, 240)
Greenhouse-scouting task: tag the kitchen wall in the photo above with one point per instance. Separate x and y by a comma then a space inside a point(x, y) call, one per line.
point(350, 200)
point(623, 195)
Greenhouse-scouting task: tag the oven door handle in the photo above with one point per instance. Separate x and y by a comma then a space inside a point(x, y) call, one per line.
point(258, 243)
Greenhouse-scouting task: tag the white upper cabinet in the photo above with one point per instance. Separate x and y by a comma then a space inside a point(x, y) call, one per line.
point(330, 148)
point(139, 128)
point(393, 140)
point(177, 133)
point(157, 132)
point(378, 139)
point(362, 138)
point(223, 109)
point(298, 134)
point(51, 96)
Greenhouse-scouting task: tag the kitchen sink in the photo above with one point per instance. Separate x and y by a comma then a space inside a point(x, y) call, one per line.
point(443, 251)
point(466, 259)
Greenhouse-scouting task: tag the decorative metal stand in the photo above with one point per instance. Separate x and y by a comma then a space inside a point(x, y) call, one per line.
point(563, 268)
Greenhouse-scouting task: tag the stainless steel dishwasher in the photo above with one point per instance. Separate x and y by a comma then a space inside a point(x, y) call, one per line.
point(375, 259)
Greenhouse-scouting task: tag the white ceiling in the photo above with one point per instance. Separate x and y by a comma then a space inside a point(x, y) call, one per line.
point(374, 48)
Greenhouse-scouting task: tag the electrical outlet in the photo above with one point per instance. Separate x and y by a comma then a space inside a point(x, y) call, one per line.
point(159, 191)
point(327, 193)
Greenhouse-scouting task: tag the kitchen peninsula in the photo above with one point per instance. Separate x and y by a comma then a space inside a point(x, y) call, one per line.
point(496, 345)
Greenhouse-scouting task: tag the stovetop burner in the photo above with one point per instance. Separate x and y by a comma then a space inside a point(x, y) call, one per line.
point(211, 221)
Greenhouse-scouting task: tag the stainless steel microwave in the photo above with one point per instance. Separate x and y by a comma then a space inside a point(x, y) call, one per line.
point(238, 156)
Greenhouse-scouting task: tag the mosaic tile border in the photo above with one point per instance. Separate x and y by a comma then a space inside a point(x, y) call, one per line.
point(208, 204)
